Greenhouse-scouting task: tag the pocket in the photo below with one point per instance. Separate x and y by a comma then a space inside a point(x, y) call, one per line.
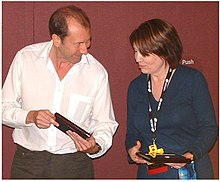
point(79, 107)
point(23, 154)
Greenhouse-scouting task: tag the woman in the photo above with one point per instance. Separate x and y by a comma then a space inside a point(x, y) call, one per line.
point(169, 106)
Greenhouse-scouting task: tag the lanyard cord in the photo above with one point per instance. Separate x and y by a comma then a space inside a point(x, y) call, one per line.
point(154, 116)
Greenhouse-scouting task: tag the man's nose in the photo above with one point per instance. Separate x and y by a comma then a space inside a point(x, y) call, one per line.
point(83, 48)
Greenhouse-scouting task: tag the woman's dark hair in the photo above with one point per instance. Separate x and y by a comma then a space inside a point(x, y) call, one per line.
point(58, 20)
point(158, 37)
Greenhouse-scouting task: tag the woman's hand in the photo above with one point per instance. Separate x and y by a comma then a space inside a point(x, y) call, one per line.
point(132, 152)
point(188, 155)
point(176, 165)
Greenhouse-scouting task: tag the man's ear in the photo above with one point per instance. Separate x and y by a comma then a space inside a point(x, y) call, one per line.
point(56, 40)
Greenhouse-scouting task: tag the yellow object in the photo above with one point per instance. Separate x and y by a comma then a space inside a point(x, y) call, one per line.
point(153, 150)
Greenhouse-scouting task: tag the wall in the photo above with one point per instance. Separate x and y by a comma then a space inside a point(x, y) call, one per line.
point(112, 22)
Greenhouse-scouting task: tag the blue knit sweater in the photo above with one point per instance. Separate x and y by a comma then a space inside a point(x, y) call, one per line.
point(187, 121)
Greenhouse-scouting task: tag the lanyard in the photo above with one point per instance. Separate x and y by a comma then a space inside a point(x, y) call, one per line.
point(154, 116)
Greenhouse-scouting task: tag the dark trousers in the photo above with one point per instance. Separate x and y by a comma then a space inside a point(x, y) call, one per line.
point(44, 165)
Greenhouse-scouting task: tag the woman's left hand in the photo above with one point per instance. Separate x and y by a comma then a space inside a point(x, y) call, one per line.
point(188, 155)
point(176, 165)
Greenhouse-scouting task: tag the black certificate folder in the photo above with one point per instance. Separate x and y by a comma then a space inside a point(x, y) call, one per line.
point(65, 125)
point(164, 158)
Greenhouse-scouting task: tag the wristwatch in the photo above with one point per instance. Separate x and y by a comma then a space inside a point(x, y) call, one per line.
point(98, 149)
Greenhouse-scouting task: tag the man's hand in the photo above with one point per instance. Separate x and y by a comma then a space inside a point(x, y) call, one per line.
point(84, 145)
point(42, 118)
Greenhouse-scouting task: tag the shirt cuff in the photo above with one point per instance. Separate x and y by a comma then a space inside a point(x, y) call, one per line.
point(21, 119)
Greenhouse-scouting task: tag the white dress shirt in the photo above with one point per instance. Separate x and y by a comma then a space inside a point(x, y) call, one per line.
point(82, 96)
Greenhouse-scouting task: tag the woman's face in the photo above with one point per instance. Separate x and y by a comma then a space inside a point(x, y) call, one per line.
point(151, 64)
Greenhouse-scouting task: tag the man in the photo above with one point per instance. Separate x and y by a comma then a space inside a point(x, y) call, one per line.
point(58, 76)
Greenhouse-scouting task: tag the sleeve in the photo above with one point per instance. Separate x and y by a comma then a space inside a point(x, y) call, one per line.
point(204, 111)
point(132, 134)
point(104, 124)
point(12, 113)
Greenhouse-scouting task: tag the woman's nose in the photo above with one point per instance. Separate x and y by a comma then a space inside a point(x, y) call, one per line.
point(138, 57)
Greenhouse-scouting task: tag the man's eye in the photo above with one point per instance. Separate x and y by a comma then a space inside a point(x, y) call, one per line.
point(76, 44)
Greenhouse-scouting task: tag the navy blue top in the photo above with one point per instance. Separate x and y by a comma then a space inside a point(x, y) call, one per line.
point(187, 120)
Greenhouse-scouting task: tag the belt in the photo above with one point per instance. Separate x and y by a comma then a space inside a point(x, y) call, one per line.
point(45, 153)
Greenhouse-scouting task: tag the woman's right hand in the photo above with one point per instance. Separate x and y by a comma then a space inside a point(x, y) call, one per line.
point(132, 152)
